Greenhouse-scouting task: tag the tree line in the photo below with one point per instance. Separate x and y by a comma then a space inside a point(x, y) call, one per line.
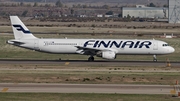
point(36, 4)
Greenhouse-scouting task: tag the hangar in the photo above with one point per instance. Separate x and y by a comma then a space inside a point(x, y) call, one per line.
point(174, 11)
point(141, 11)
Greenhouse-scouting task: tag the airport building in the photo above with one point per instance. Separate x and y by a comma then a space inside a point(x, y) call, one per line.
point(141, 11)
point(174, 11)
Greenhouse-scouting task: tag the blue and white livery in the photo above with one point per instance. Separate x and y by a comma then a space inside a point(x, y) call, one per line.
point(105, 48)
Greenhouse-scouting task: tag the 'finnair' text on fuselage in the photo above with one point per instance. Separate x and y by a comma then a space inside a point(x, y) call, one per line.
point(118, 44)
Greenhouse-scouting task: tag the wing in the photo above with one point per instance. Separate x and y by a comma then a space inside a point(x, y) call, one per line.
point(89, 51)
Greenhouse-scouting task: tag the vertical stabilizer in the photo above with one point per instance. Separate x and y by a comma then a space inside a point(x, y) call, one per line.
point(20, 30)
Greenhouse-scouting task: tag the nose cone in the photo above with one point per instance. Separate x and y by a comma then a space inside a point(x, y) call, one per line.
point(171, 49)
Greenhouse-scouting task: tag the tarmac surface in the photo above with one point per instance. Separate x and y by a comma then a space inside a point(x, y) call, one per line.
point(85, 88)
point(97, 62)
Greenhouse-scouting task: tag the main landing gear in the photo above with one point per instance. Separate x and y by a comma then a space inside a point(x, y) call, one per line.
point(91, 58)
point(154, 58)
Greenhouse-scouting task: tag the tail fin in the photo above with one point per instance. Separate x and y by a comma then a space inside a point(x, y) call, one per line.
point(20, 30)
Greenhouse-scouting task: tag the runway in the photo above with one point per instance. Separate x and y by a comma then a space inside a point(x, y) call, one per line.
point(95, 63)
point(85, 88)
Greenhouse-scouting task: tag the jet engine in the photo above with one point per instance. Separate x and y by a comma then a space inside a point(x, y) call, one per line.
point(106, 54)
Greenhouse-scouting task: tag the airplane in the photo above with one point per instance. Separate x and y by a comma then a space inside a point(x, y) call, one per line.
point(104, 48)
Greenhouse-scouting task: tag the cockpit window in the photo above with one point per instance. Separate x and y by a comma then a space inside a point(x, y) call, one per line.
point(165, 45)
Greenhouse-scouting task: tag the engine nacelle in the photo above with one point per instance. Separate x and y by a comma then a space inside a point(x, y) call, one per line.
point(106, 54)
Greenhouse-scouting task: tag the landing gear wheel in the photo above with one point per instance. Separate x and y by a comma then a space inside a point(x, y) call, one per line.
point(154, 58)
point(91, 58)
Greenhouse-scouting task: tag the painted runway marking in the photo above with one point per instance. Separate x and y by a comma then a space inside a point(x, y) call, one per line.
point(67, 63)
point(5, 90)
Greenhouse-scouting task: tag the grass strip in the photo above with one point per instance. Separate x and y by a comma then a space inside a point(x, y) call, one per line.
point(83, 97)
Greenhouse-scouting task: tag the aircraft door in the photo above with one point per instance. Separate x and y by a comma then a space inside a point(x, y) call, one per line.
point(80, 44)
point(36, 44)
point(155, 45)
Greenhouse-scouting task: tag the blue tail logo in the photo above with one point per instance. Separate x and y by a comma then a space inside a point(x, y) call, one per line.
point(20, 28)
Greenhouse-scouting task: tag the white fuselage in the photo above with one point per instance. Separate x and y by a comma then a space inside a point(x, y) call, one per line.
point(119, 46)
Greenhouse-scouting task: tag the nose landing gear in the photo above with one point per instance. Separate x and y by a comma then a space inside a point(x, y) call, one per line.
point(154, 58)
